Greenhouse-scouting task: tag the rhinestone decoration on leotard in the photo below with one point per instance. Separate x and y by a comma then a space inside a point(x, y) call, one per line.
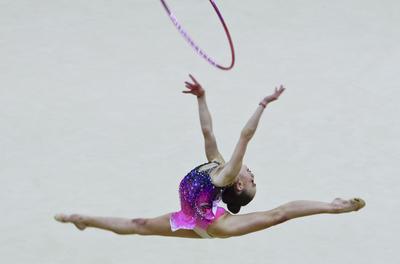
point(199, 198)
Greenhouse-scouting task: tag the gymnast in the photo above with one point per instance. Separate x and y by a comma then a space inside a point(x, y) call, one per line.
point(205, 186)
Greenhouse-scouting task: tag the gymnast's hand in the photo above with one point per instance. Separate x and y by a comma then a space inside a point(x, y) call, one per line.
point(273, 97)
point(194, 88)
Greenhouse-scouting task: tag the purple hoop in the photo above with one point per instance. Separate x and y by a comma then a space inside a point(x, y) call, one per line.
point(195, 46)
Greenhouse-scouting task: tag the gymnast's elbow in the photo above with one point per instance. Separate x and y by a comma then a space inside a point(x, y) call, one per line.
point(247, 134)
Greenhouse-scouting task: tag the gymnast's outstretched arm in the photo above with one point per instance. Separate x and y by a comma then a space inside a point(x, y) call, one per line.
point(210, 142)
point(231, 169)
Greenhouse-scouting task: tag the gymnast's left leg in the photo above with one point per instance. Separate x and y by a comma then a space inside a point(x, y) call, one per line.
point(158, 226)
point(237, 225)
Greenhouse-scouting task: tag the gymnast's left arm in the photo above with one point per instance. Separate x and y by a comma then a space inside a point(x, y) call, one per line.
point(210, 141)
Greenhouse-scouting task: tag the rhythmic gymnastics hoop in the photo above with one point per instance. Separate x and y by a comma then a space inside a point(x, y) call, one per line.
point(195, 46)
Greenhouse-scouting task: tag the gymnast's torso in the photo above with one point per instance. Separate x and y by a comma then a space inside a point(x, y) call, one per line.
point(199, 199)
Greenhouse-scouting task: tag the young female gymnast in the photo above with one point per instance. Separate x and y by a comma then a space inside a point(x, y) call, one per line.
point(203, 187)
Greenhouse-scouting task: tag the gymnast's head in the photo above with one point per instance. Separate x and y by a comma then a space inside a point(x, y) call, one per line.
point(241, 192)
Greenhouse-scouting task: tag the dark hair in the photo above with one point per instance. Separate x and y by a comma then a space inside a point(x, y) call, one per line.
point(235, 200)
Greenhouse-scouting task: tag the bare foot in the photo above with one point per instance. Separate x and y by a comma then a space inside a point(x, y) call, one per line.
point(345, 206)
point(77, 220)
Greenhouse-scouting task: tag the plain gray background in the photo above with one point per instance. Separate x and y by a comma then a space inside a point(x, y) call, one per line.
point(93, 121)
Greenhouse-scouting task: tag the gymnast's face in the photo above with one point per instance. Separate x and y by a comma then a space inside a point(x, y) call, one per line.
point(247, 181)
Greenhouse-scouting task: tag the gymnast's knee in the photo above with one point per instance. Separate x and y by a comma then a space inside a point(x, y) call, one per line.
point(140, 226)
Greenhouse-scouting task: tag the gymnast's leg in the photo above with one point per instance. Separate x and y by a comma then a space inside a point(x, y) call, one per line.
point(238, 225)
point(158, 226)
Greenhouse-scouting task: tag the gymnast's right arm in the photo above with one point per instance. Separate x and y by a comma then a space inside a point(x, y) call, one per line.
point(232, 168)
point(210, 142)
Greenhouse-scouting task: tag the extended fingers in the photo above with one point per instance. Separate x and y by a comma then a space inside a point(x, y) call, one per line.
point(193, 79)
point(280, 89)
point(189, 84)
point(193, 88)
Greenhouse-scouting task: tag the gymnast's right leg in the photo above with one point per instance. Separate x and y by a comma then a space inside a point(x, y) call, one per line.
point(158, 226)
point(237, 225)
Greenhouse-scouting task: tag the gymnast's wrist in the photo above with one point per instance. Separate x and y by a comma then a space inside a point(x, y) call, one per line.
point(263, 104)
point(202, 94)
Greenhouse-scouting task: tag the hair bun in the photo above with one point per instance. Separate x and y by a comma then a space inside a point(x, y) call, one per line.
point(234, 208)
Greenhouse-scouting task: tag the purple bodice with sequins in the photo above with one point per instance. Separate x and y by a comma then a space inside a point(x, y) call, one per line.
point(199, 198)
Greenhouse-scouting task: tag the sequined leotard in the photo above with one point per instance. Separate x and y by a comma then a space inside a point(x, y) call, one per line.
point(199, 201)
